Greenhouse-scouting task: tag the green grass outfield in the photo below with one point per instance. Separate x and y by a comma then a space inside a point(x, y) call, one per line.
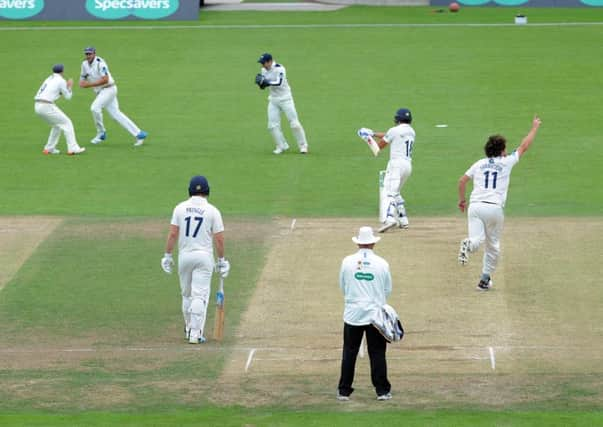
point(228, 417)
point(192, 90)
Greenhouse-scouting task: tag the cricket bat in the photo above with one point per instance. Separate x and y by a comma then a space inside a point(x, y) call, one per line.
point(219, 319)
point(366, 137)
point(373, 145)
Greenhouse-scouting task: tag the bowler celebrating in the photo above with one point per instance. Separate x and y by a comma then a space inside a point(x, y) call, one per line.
point(95, 74)
point(490, 177)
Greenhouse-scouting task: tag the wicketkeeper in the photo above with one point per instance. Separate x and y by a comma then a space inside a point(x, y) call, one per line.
point(274, 76)
point(196, 225)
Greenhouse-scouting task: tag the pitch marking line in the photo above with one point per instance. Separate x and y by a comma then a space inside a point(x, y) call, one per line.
point(361, 351)
point(249, 359)
point(293, 224)
point(492, 358)
point(292, 26)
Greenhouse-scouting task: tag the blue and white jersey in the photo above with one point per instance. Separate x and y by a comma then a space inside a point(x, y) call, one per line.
point(198, 221)
point(52, 89)
point(491, 177)
point(279, 86)
point(366, 283)
point(96, 70)
point(401, 139)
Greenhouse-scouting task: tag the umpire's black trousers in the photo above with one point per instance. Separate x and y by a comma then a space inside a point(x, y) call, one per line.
point(376, 345)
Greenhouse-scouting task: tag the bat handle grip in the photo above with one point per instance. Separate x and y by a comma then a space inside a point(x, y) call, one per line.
point(220, 298)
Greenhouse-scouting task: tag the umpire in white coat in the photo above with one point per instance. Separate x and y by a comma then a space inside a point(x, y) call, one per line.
point(366, 283)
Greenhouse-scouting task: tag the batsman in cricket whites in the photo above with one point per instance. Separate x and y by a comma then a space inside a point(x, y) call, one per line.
point(196, 225)
point(401, 139)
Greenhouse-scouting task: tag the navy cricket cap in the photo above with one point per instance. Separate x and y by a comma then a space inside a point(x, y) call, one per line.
point(58, 68)
point(265, 58)
point(198, 185)
point(90, 49)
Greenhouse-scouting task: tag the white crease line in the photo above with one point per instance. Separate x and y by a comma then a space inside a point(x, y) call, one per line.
point(249, 358)
point(492, 359)
point(361, 352)
point(292, 26)
point(293, 224)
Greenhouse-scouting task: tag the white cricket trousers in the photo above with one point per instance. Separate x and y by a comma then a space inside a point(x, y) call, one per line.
point(195, 270)
point(287, 106)
point(396, 174)
point(485, 221)
point(107, 99)
point(59, 122)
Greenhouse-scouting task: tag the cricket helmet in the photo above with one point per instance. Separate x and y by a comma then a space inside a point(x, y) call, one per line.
point(198, 185)
point(58, 68)
point(403, 115)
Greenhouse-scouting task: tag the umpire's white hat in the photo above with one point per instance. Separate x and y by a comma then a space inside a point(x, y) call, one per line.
point(365, 237)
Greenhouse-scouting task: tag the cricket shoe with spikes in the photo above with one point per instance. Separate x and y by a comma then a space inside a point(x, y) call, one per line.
point(140, 138)
point(100, 137)
point(403, 222)
point(281, 148)
point(484, 285)
point(198, 340)
point(464, 250)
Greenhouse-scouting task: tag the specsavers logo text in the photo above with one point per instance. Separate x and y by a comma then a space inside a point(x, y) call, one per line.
point(145, 9)
point(20, 9)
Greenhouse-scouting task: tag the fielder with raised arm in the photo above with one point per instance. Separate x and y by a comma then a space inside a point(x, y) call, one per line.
point(274, 76)
point(491, 176)
point(196, 225)
point(401, 139)
point(95, 74)
point(52, 89)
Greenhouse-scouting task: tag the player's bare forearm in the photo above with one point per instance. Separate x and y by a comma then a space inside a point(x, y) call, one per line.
point(379, 134)
point(100, 82)
point(171, 239)
point(381, 143)
point(462, 191)
point(529, 138)
point(219, 241)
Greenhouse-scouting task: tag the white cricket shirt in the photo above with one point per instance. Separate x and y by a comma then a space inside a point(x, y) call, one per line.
point(277, 76)
point(491, 177)
point(198, 221)
point(95, 71)
point(52, 89)
point(366, 283)
point(401, 139)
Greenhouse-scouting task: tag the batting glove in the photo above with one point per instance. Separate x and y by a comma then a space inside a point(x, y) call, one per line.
point(223, 267)
point(364, 133)
point(166, 263)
